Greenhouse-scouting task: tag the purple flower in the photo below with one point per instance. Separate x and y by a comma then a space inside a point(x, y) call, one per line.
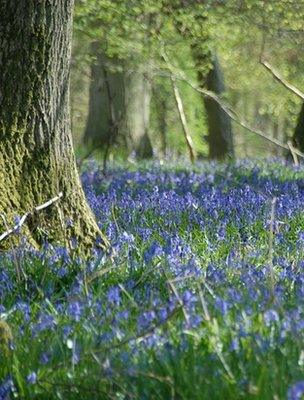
point(153, 251)
point(74, 310)
point(113, 295)
point(145, 319)
point(221, 305)
point(296, 391)
point(44, 358)
point(270, 317)
point(32, 378)
point(46, 322)
point(6, 387)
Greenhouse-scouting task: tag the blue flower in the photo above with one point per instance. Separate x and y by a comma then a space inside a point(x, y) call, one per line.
point(113, 295)
point(296, 391)
point(153, 251)
point(6, 387)
point(270, 317)
point(74, 310)
point(32, 378)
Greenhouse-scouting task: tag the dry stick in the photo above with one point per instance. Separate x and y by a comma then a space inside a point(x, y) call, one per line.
point(180, 108)
point(292, 151)
point(14, 254)
point(183, 120)
point(15, 229)
point(232, 114)
point(204, 304)
point(277, 76)
point(175, 292)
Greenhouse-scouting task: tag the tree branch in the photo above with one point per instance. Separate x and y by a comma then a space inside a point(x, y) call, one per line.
point(233, 114)
point(276, 75)
point(180, 108)
point(43, 206)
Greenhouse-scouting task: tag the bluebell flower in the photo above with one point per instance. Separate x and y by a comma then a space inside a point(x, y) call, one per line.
point(6, 388)
point(153, 251)
point(32, 378)
point(145, 319)
point(296, 391)
point(222, 305)
point(75, 310)
point(113, 295)
point(271, 317)
point(45, 358)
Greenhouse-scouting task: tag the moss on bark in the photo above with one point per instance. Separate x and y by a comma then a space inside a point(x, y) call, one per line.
point(36, 153)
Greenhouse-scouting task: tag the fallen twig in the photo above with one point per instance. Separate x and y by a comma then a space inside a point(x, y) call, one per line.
point(232, 114)
point(282, 80)
point(293, 153)
point(22, 220)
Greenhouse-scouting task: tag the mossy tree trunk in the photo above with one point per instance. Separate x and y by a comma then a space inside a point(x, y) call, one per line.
point(36, 153)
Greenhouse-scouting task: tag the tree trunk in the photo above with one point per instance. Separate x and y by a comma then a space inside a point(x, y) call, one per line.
point(220, 137)
point(36, 153)
point(119, 105)
point(137, 105)
point(298, 136)
point(106, 100)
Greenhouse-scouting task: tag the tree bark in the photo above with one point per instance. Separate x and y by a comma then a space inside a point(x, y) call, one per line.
point(119, 105)
point(220, 138)
point(36, 153)
point(298, 136)
point(106, 100)
point(137, 105)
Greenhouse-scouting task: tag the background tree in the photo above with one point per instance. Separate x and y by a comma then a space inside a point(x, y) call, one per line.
point(215, 27)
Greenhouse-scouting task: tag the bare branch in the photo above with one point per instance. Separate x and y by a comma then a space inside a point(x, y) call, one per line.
point(282, 80)
point(292, 151)
point(183, 119)
point(180, 108)
point(43, 206)
point(234, 116)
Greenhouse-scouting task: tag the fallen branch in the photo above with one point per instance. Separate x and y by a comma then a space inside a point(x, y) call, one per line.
point(232, 114)
point(293, 153)
point(282, 80)
point(181, 111)
point(43, 206)
point(182, 116)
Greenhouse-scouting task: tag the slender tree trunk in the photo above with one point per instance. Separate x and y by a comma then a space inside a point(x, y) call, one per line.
point(137, 105)
point(36, 153)
point(298, 136)
point(163, 125)
point(119, 104)
point(106, 100)
point(220, 136)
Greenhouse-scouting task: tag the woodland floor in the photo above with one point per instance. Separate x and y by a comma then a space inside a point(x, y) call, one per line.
point(201, 297)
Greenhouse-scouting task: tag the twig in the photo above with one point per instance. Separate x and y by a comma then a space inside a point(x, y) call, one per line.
point(180, 108)
point(277, 76)
point(204, 304)
point(43, 206)
point(175, 292)
point(293, 153)
point(236, 118)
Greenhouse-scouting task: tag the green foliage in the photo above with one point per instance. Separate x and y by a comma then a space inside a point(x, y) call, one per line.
point(136, 32)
